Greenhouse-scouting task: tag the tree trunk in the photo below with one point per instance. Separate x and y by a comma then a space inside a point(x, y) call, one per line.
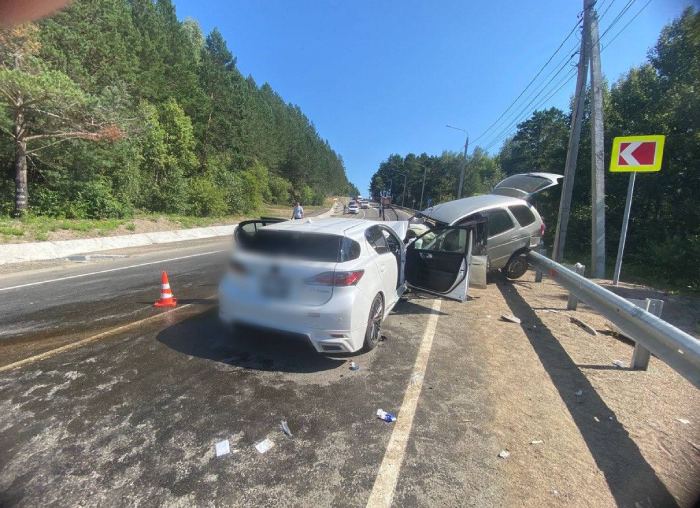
point(21, 191)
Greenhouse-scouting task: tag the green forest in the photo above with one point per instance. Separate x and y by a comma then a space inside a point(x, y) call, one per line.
point(116, 106)
point(658, 97)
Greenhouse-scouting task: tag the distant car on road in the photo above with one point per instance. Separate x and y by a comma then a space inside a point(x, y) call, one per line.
point(364, 204)
point(333, 281)
point(514, 225)
point(353, 207)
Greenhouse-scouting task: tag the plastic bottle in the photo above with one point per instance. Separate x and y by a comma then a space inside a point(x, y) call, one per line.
point(387, 417)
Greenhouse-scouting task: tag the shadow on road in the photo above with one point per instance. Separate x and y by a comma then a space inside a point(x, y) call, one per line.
point(408, 307)
point(203, 336)
point(630, 477)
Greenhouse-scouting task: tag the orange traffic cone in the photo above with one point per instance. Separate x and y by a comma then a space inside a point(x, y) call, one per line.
point(166, 295)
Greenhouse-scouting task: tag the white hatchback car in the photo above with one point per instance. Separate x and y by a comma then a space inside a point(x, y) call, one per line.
point(334, 280)
point(353, 207)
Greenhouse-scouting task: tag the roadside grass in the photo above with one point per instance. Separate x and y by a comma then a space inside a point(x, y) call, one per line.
point(11, 230)
point(32, 228)
point(636, 273)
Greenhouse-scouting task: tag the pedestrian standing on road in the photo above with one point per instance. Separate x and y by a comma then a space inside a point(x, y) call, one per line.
point(298, 212)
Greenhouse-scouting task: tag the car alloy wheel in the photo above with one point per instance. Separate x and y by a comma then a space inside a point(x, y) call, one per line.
point(374, 323)
point(516, 267)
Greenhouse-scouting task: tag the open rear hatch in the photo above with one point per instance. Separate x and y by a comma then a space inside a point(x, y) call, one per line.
point(525, 185)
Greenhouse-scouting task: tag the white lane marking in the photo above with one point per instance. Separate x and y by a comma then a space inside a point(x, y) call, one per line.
point(385, 483)
point(110, 270)
point(93, 338)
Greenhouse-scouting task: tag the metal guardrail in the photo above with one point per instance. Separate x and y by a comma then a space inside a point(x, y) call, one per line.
point(405, 209)
point(676, 348)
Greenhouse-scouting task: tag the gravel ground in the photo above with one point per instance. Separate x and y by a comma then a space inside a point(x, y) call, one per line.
point(642, 429)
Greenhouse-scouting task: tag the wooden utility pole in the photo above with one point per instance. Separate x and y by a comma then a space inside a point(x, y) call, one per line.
point(574, 138)
point(590, 53)
point(597, 155)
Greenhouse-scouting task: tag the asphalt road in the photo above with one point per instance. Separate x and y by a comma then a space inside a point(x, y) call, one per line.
point(116, 417)
point(129, 410)
point(62, 303)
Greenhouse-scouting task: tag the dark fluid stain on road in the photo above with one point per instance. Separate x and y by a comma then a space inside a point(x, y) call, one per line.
point(245, 347)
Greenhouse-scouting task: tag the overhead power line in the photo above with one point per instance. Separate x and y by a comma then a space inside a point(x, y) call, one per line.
point(573, 29)
point(605, 11)
point(552, 92)
point(526, 109)
point(506, 131)
point(626, 25)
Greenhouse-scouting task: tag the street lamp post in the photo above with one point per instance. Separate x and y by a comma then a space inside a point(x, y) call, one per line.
point(422, 190)
point(464, 162)
point(403, 198)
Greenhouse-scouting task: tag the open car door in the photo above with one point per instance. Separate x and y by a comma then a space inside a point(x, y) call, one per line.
point(439, 261)
point(525, 185)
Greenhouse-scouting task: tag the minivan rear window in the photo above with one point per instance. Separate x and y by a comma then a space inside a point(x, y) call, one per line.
point(523, 214)
point(307, 246)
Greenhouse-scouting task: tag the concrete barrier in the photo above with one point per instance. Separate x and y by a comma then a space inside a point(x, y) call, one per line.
point(42, 251)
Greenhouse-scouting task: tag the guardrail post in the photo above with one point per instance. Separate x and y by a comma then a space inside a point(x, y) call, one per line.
point(573, 300)
point(538, 271)
point(669, 344)
point(640, 355)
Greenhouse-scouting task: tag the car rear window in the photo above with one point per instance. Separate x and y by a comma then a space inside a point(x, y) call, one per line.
point(523, 214)
point(307, 246)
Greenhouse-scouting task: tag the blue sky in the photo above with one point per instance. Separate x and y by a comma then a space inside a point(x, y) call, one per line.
point(382, 77)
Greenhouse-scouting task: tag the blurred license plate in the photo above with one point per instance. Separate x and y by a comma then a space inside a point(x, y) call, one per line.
point(274, 286)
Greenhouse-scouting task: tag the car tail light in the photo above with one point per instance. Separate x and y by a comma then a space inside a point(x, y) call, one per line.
point(336, 278)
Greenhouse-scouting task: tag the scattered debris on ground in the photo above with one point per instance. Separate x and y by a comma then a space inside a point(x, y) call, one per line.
point(537, 441)
point(583, 325)
point(504, 454)
point(222, 448)
point(387, 417)
point(683, 421)
point(354, 366)
point(619, 364)
point(264, 445)
point(510, 318)
point(285, 428)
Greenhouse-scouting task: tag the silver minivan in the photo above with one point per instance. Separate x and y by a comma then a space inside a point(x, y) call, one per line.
point(513, 225)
